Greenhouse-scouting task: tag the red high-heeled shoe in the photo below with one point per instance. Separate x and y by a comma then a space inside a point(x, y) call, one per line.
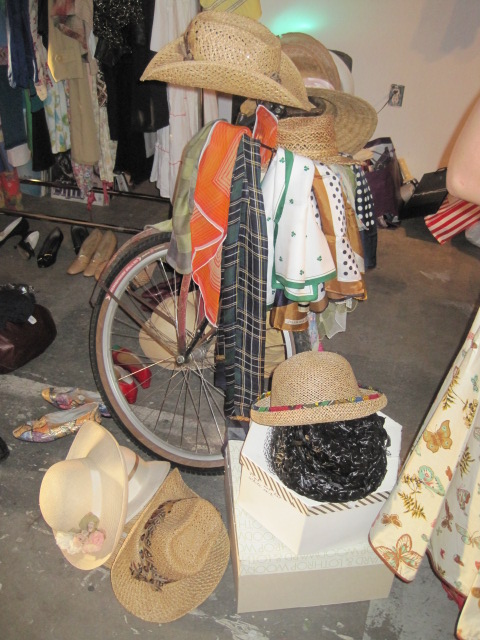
point(127, 384)
point(129, 361)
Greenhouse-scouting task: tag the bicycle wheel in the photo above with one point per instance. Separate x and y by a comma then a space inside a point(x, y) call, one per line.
point(178, 414)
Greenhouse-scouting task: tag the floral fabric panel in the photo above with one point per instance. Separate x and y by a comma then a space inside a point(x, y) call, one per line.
point(435, 505)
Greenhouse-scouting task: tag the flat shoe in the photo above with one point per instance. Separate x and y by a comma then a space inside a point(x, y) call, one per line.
point(132, 363)
point(68, 398)
point(48, 253)
point(127, 384)
point(88, 248)
point(58, 424)
point(26, 246)
point(79, 234)
point(103, 253)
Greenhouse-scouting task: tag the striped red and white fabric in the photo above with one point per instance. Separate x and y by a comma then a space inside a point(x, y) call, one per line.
point(453, 217)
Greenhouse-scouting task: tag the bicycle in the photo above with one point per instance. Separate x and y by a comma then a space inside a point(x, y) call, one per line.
point(155, 313)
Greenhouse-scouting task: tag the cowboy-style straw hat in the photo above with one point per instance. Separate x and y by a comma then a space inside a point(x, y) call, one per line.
point(233, 54)
point(312, 137)
point(174, 556)
point(84, 497)
point(314, 387)
point(355, 118)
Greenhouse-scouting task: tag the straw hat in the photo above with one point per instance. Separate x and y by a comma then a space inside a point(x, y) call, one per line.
point(144, 479)
point(174, 556)
point(312, 137)
point(313, 387)
point(232, 54)
point(84, 497)
point(355, 118)
point(311, 57)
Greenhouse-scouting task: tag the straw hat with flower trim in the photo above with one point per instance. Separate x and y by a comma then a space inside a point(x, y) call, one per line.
point(355, 118)
point(84, 497)
point(314, 387)
point(233, 54)
point(174, 555)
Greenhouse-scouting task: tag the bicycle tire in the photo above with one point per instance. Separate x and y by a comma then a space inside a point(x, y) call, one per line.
point(198, 439)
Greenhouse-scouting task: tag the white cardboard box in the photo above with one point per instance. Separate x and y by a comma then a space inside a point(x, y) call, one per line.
point(269, 576)
point(312, 526)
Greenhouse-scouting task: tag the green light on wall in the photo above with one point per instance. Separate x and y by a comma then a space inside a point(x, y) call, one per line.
point(294, 20)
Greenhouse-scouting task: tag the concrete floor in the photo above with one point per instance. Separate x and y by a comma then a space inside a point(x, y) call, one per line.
point(422, 298)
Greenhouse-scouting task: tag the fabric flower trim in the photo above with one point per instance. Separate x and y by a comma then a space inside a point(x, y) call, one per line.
point(88, 538)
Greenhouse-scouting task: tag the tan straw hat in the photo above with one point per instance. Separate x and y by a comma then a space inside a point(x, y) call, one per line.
point(355, 118)
point(312, 137)
point(174, 556)
point(84, 497)
point(232, 54)
point(311, 57)
point(313, 387)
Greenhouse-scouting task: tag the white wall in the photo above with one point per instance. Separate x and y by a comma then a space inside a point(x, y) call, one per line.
point(430, 46)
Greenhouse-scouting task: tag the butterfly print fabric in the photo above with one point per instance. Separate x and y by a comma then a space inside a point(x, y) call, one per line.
point(435, 506)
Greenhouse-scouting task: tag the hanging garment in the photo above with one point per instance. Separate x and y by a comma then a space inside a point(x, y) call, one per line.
point(39, 137)
point(249, 8)
point(56, 113)
point(11, 112)
point(171, 18)
point(179, 254)
point(435, 506)
point(22, 65)
point(40, 52)
point(341, 230)
point(242, 327)
point(301, 257)
point(208, 224)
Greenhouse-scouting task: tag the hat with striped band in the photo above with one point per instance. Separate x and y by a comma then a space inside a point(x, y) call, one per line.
point(314, 387)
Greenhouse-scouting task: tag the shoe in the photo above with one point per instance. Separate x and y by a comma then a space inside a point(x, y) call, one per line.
point(88, 248)
point(26, 246)
point(58, 424)
point(48, 253)
point(127, 384)
point(79, 234)
point(68, 398)
point(132, 363)
point(19, 227)
point(103, 253)
point(99, 270)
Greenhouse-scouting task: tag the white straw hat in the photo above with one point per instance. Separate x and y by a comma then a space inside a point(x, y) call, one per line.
point(84, 497)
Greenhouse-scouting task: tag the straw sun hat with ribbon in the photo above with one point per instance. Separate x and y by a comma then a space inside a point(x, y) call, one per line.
point(313, 137)
point(233, 54)
point(174, 556)
point(314, 387)
point(84, 497)
point(355, 119)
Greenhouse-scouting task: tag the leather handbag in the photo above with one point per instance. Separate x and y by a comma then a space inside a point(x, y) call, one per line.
point(24, 341)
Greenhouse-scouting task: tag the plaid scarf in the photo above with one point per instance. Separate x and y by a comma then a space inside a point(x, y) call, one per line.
point(242, 326)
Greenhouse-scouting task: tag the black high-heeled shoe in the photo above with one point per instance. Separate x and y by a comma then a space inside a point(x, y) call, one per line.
point(26, 246)
point(19, 227)
point(79, 234)
point(50, 247)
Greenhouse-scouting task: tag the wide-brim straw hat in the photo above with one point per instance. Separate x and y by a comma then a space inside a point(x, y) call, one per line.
point(233, 54)
point(174, 556)
point(144, 479)
point(314, 387)
point(312, 137)
point(91, 481)
point(311, 57)
point(355, 118)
